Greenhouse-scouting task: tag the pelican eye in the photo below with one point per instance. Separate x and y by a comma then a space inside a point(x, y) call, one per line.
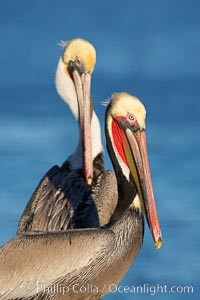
point(77, 60)
point(131, 117)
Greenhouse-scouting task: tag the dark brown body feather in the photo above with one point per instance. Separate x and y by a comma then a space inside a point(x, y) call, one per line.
point(64, 201)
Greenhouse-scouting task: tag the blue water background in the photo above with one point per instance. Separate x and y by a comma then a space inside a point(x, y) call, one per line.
point(147, 48)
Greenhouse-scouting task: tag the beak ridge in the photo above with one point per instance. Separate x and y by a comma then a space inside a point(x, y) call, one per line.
point(140, 170)
point(83, 87)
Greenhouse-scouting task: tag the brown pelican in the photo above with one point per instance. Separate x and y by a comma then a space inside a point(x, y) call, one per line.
point(85, 263)
point(63, 199)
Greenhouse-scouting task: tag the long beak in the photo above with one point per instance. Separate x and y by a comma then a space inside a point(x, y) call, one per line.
point(82, 85)
point(137, 158)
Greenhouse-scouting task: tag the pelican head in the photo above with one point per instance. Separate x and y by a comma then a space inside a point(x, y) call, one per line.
point(125, 121)
point(81, 53)
point(73, 81)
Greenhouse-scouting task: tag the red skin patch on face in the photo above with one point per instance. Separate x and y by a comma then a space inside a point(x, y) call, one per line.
point(119, 139)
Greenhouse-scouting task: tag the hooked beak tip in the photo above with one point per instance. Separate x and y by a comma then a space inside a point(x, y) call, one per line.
point(89, 180)
point(157, 237)
point(158, 244)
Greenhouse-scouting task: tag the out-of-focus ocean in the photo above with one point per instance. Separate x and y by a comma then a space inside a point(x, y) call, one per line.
point(148, 48)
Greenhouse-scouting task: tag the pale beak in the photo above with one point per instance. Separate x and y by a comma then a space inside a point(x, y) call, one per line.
point(88, 161)
point(82, 84)
point(137, 158)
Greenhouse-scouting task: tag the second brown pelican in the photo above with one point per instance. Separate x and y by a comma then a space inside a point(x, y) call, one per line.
point(63, 199)
point(85, 263)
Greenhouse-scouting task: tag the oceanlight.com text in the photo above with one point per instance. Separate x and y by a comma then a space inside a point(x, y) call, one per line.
point(152, 289)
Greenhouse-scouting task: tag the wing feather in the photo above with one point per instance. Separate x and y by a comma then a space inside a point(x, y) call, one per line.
point(32, 261)
point(54, 202)
point(105, 195)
